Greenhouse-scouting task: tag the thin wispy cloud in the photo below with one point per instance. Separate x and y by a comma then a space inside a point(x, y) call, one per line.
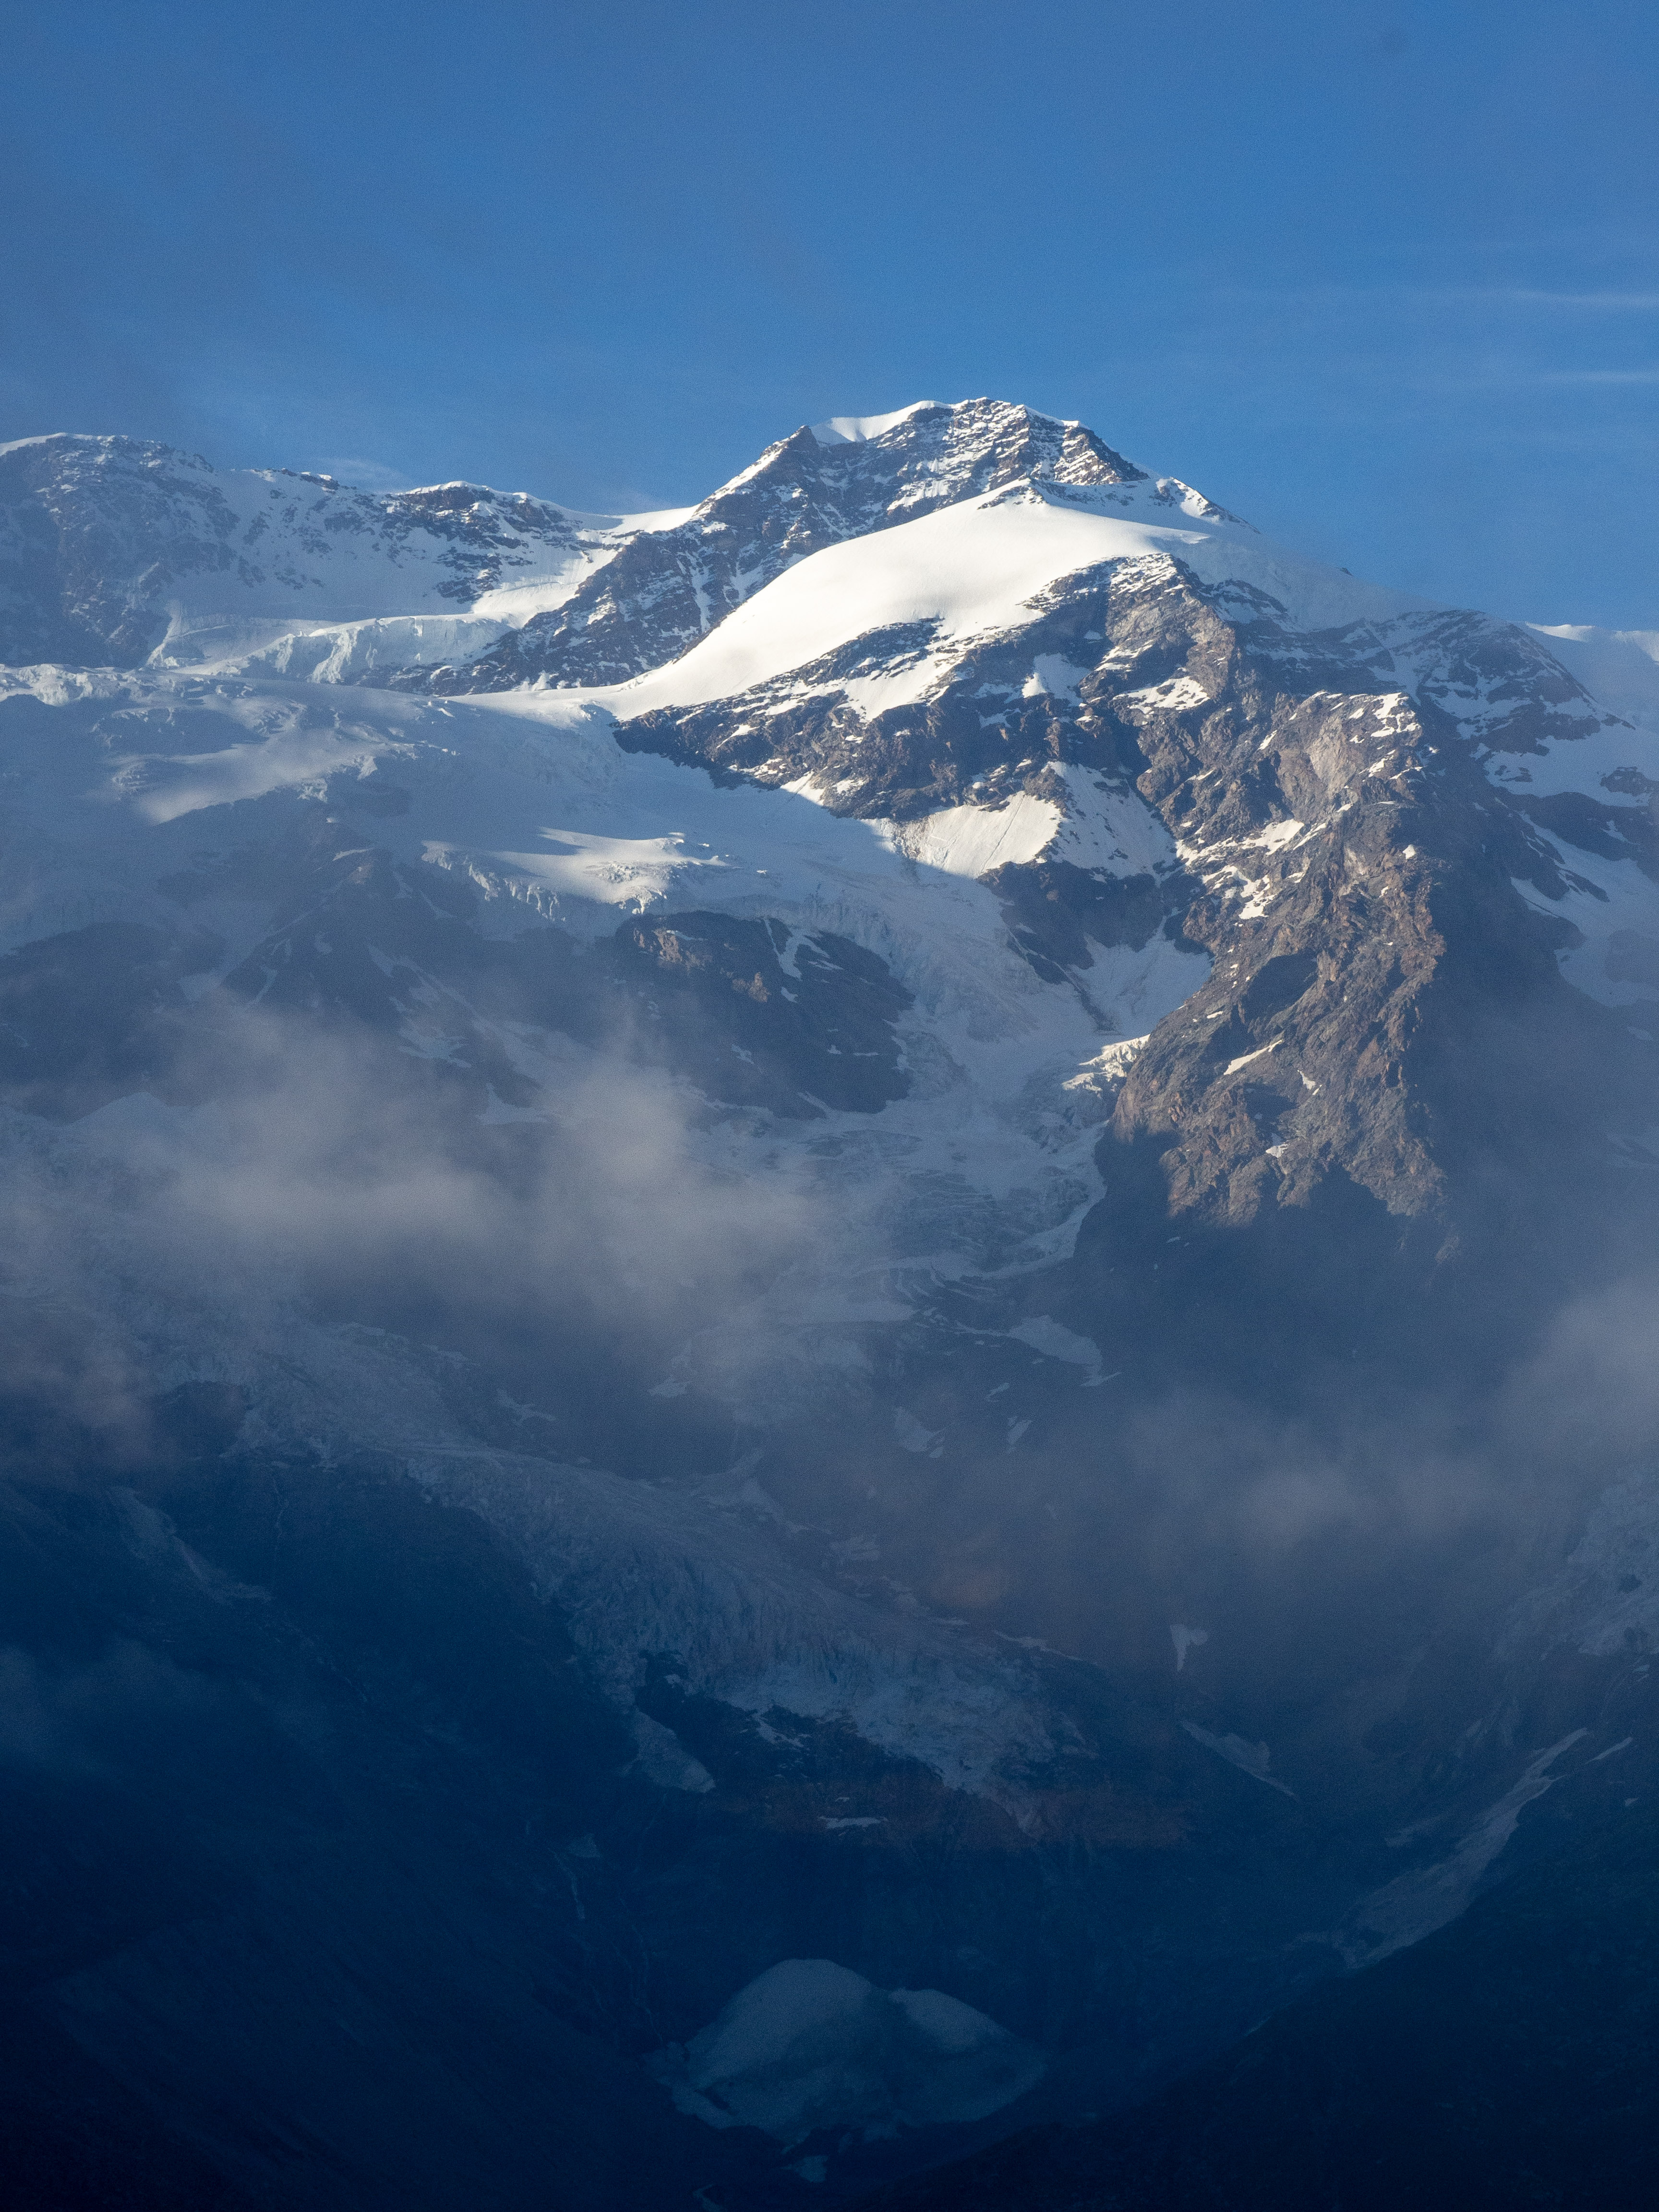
point(1599, 376)
point(1645, 303)
point(367, 475)
point(1480, 296)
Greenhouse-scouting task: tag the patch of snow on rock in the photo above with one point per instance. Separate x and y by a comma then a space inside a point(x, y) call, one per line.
point(810, 2044)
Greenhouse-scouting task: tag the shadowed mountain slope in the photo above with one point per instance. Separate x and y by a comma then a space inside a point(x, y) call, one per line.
point(1509, 2060)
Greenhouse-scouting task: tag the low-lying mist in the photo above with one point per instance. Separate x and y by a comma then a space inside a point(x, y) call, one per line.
point(316, 1169)
point(597, 1279)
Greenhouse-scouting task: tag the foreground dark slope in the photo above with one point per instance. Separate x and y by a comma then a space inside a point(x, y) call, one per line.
point(282, 1758)
point(1511, 2059)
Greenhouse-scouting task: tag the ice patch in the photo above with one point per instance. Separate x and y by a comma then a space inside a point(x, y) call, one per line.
point(972, 841)
point(1251, 1759)
point(663, 1758)
point(1605, 1601)
point(855, 429)
point(1173, 697)
point(1052, 676)
point(1614, 907)
point(1245, 1058)
point(1413, 1906)
point(1185, 1640)
point(1109, 827)
point(1046, 1335)
point(1277, 834)
point(1135, 990)
point(911, 1435)
point(810, 2044)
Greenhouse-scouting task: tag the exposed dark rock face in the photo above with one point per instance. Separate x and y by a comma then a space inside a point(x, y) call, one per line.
point(974, 738)
point(1056, 909)
point(93, 1015)
point(755, 1014)
point(1384, 1004)
point(714, 990)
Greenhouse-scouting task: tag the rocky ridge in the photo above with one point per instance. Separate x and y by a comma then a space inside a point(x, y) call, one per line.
point(112, 549)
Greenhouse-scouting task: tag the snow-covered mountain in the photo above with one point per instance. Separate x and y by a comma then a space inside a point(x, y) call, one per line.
point(984, 1127)
point(113, 551)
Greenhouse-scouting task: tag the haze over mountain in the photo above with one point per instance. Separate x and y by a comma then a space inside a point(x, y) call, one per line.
point(832, 1316)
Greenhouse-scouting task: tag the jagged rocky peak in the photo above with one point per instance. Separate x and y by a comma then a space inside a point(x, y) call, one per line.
point(857, 473)
point(937, 453)
point(934, 455)
point(818, 487)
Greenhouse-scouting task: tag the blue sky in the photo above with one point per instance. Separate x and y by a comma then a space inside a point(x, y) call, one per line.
point(1382, 276)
